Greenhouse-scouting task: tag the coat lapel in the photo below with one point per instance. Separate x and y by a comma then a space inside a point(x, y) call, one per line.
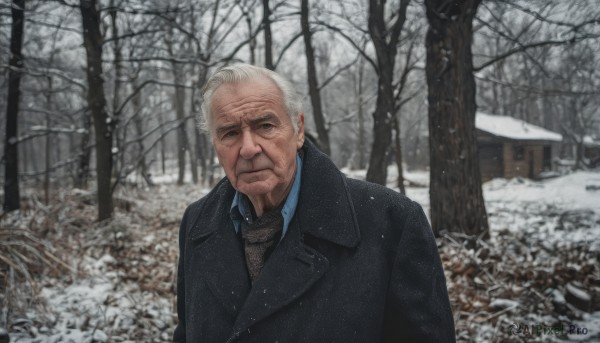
point(325, 209)
point(290, 271)
point(219, 254)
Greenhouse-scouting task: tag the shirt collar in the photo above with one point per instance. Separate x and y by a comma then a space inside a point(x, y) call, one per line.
point(240, 204)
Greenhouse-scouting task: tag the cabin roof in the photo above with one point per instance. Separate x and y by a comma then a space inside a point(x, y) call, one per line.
point(512, 128)
point(590, 142)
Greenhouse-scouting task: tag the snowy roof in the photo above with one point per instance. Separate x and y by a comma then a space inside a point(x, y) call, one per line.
point(589, 141)
point(512, 128)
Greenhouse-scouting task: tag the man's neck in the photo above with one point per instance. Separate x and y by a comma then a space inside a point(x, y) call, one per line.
point(265, 203)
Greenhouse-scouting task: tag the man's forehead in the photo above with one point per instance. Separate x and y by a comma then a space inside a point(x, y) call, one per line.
point(256, 85)
point(245, 96)
point(231, 105)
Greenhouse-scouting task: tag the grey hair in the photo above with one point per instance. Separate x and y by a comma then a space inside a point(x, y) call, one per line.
point(245, 72)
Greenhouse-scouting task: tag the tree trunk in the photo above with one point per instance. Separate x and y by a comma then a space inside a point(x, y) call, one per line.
point(48, 143)
point(382, 137)
point(163, 144)
point(192, 149)
point(119, 158)
point(575, 129)
point(103, 126)
point(579, 154)
point(385, 41)
point(139, 131)
point(313, 86)
point(268, 38)
point(179, 105)
point(412, 158)
point(181, 132)
point(455, 182)
point(138, 123)
point(201, 140)
point(11, 153)
point(83, 166)
point(398, 155)
point(26, 163)
point(361, 120)
point(252, 42)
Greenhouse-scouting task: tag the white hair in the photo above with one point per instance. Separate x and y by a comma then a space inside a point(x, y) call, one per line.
point(245, 72)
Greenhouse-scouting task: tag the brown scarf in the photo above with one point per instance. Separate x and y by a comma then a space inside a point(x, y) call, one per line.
point(260, 239)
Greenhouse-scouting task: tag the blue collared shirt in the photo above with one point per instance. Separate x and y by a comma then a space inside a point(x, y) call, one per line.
point(240, 205)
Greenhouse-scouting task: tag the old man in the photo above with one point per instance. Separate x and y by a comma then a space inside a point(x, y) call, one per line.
point(286, 248)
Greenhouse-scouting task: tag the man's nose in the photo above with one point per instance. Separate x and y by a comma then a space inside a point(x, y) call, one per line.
point(250, 147)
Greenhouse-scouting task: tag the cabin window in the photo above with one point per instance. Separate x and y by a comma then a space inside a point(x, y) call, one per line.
point(519, 153)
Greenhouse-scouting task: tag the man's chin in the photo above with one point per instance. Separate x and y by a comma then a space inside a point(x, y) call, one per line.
point(254, 188)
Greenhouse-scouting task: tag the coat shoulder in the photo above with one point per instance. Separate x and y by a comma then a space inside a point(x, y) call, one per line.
point(383, 211)
point(378, 196)
point(212, 203)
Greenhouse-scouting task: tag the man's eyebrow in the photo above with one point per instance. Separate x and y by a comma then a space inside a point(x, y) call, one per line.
point(227, 127)
point(262, 118)
point(253, 122)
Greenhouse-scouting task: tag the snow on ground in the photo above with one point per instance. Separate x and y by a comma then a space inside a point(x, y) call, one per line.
point(542, 259)
point(544, 247)
point(554, 210)
point(121, 287)
point(517, 203)
point(567, 192)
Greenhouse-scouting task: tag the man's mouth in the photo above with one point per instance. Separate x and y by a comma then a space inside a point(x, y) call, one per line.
point(251, 171)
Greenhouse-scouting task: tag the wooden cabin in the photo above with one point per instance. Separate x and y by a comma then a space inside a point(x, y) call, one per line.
point(509, 147)
point(591, 151)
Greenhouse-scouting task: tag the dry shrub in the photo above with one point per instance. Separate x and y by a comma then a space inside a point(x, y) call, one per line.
point(23, 258)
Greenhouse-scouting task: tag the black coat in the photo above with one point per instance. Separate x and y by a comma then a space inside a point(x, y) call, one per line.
point(359, 263)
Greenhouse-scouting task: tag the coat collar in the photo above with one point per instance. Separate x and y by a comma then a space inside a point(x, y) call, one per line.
point(331, 217)
point(325, 209)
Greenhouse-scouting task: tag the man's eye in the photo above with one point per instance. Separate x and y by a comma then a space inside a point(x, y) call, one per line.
point(266, 126)
point(229, 134)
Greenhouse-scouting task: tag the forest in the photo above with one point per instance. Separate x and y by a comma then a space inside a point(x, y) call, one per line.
point(486, 112)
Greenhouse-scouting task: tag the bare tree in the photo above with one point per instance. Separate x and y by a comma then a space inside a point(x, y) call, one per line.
point(385, 40)
point(246, 8)
point(455, 182)
point(49, 106)
point(11, 155)
point(139, 131)
point(179, 105)
point(266, 23)
point(578, 112)
point(117, 89)
point(361, 143)
point(103, 127)
point(82, 172)
point(313, 84)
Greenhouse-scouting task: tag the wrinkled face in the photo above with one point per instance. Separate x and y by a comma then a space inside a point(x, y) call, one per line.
point(254, 138)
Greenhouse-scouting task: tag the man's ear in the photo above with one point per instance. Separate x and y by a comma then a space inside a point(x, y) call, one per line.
point(300, 141)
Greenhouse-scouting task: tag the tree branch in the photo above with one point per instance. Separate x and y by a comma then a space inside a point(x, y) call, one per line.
point(337, 72)
point(144, 84)
point(522, 48)
point(286, 47)
point(351, 41)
